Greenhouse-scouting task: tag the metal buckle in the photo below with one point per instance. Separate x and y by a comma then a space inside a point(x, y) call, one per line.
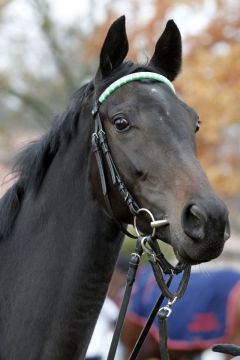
point(166, 310)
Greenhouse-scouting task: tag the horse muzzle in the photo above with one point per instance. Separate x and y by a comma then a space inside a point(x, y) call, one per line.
point(206, 224)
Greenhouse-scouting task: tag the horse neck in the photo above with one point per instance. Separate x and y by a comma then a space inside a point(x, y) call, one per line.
point(66, 251)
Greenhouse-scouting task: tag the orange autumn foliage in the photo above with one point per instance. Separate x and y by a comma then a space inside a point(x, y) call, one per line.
point(210, 80)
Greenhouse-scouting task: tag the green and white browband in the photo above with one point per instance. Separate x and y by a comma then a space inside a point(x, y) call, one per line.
point(134, 77)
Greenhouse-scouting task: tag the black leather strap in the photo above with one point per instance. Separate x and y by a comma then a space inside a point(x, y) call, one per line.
point(149, 323)
point(229, 349)
point(163, 333)
point(166, 267)
point(158, 273)
point(131, 275)
point(101, 150)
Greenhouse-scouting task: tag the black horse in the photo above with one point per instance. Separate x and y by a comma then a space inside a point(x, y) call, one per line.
point(59, 243)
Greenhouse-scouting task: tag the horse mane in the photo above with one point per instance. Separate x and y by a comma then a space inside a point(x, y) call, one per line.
point(32, 163)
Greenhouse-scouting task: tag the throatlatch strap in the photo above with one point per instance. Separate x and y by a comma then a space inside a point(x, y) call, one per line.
point(98, 156)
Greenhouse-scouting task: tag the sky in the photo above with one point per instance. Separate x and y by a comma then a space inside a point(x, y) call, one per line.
point(68, 10)
point(18, 24)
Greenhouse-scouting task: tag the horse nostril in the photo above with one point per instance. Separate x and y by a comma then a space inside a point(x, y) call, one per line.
point(198, 213)
point(194, 220)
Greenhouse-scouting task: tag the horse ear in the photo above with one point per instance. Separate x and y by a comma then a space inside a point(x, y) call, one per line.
point(115, 47)
point(167, 56)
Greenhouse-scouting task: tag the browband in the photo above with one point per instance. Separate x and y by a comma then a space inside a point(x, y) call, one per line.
point(144, 75)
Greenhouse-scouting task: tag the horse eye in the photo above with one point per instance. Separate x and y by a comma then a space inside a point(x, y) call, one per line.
point(121, 124)
point(198, 125)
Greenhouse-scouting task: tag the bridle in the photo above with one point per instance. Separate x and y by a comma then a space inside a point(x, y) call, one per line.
point(145, 243)
point(101, 149)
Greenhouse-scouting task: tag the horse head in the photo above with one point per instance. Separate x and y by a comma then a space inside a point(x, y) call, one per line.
point(151, 136)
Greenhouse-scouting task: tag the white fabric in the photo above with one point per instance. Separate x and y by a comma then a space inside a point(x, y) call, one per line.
point(103, 332)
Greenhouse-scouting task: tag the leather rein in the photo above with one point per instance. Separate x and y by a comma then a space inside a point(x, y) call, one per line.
point(144, 243)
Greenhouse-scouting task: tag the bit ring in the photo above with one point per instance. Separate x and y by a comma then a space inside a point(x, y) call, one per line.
point(142, 210)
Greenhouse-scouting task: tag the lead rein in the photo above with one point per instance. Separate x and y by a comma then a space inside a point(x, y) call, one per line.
point(165, 293)
point(131, 275)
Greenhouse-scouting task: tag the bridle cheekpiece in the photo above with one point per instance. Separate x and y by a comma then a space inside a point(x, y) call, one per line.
point(101, 149)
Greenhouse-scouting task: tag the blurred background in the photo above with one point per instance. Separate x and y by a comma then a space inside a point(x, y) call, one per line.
point(48, 47)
